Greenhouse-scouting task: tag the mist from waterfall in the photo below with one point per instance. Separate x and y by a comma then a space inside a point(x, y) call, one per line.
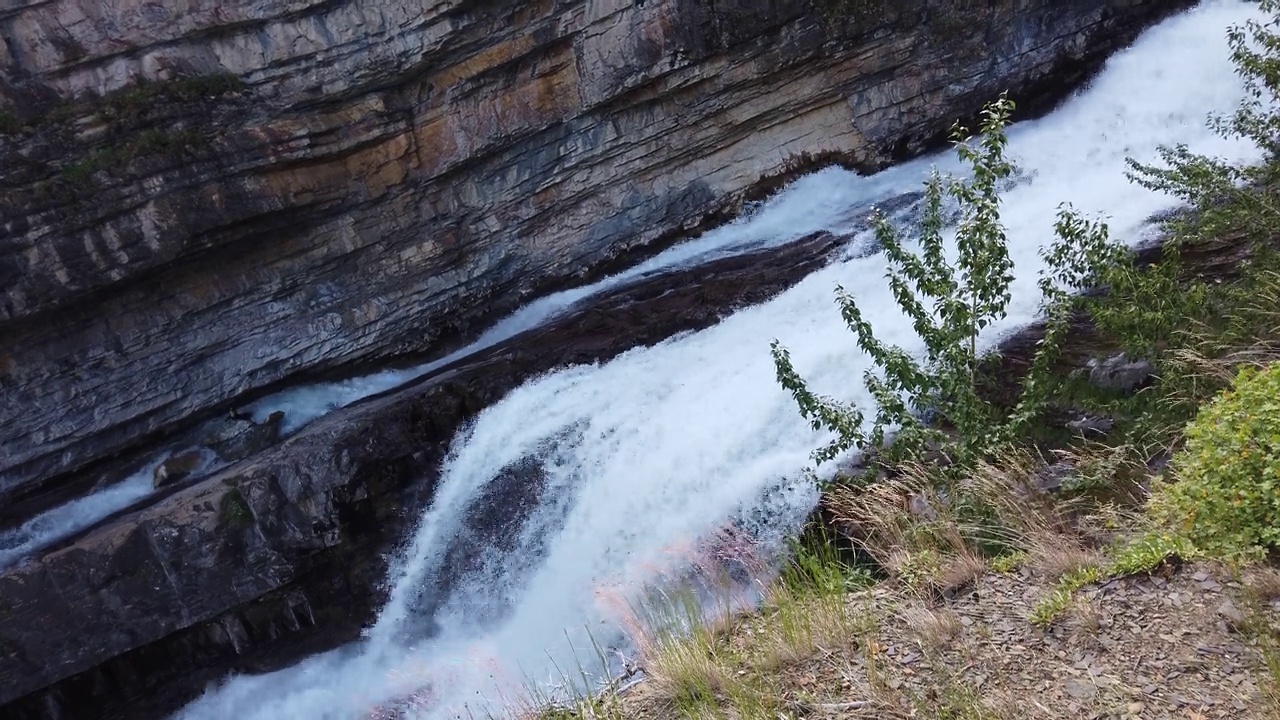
point(642, 460)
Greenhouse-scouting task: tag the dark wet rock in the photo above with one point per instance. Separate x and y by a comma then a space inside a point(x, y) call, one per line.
point(284, 553)
point(281, 190)
point(236, 438)
point(178, 467)
point(1119, 373)
point(491, 530)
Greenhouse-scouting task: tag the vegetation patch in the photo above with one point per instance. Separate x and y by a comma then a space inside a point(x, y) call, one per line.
point(1226, 495)
point(9, 123)
point(985, 590)
point(149, 143)
point(138, 101)
point(234, 511)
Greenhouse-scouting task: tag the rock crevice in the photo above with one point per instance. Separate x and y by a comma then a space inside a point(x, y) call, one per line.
point(200, 206)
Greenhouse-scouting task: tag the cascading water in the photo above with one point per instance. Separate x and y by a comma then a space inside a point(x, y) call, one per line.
point(791, 215)
point(635, 460)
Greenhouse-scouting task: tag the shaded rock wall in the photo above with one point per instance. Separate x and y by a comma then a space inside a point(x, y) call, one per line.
point(283, 554)
point(277, 188)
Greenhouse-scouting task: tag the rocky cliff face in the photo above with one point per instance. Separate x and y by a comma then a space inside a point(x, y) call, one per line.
point(202, 205)
point(284, 554)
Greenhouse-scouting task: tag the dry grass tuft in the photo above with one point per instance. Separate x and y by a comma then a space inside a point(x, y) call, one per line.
point(802, 626)
point(1088, 617)
point(1264, 583)
point(960, 571)
point(933, 628)
point(1060, 555)
point(685, 671)
point(908, 528)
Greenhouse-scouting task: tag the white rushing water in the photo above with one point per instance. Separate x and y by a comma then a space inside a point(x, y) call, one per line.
point(53, 525)
point(809, 205)
point(20, 543)
point(643, 456)
point(790, 215)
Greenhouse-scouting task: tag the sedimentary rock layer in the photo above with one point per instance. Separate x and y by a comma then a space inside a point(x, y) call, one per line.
point(204, 200)
point(283, 554)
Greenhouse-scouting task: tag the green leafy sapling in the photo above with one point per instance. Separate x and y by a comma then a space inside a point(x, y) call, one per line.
point(1223, 194)
point(949, 303)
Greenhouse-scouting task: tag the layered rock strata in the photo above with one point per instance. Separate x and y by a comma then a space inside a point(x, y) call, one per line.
point(200, 207)
point(202, 203)
point(283, 554)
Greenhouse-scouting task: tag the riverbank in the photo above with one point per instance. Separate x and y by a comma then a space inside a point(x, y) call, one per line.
point(1115, 556)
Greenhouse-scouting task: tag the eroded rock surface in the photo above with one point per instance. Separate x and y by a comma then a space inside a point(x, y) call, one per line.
point(284, 553)
point(304, 185)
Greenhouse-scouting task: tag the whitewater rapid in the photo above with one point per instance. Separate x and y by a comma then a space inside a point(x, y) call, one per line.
point(643, 456)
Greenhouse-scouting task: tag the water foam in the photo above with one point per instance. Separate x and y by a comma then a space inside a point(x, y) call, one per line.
point(645, 454)
point(53, 525)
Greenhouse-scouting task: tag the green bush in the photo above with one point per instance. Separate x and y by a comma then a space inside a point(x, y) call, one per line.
point(950, 303)
point(1226, 495)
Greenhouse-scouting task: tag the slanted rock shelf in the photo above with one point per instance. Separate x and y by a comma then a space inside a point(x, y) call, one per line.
point(198, 210)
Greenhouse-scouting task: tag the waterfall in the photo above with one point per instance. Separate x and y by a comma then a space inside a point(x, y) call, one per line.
point(625, 467)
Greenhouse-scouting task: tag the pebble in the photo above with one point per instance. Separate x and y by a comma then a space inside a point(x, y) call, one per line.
point(1079, 689)
point(1230, 612)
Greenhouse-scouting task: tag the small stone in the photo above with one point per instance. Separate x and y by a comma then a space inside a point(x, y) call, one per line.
point(1120, 373)
point(1136, 708)
point(177, 467)
point(1052, 478)
point(1229, 612)
point(1080, 689)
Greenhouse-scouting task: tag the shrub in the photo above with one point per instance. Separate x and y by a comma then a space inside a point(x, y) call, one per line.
point(9, 123)
point(1226, 495)
point(949, 304)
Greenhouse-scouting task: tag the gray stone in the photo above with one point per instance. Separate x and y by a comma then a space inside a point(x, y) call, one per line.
point(237, 438)
point(1091, 425)
point(179, 466)
point(1119, 373)
point(1230, 613)
point(1052, 478)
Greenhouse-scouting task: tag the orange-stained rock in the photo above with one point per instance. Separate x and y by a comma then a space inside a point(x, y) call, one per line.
point(381, 177)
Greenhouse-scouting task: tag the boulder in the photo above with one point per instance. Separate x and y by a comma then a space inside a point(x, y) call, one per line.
point(178, 466)
point(236, 438)
point(1119, 373)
